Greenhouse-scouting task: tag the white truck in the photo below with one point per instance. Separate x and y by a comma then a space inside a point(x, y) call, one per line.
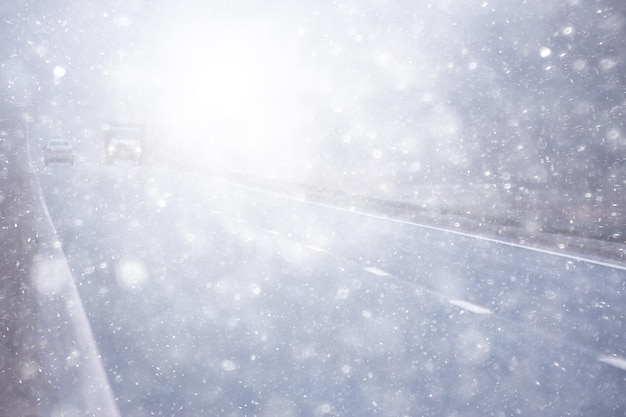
point(123, 142)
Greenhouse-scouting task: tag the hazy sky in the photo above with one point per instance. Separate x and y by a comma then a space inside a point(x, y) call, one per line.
point(432, 88)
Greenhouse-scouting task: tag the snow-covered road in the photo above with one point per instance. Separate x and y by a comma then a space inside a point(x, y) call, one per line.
point(207, 297)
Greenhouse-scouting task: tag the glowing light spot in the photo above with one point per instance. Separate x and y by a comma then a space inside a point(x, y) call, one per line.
point(123, 21)
point(324, 409)
point(613, 134)
point(51, 275)
point(607, 64)
point(580, 65)
point(59, 71)
point(228, 365)
point(545, 52)
point(342, 294)
point(131, 273)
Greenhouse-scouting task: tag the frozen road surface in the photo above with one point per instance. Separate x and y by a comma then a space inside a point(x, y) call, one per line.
point(210, 298)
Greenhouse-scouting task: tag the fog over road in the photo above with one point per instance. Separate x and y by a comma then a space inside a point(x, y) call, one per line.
point(209, 297)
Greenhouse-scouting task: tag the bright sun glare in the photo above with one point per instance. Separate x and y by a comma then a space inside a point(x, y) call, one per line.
point(228, 96)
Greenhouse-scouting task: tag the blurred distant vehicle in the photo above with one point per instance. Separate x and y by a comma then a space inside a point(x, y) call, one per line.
point(5, 145)
point(5, 148)
point(59, 150)
point(123, 142)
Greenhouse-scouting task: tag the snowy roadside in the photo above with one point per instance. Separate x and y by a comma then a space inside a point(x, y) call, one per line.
point(586, 227)
point(484, 214)
point(56, 367)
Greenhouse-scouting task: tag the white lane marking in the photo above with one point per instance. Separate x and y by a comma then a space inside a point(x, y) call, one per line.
point(615, 361)
point(466, 305)
point(376, 271)
point(316, 248)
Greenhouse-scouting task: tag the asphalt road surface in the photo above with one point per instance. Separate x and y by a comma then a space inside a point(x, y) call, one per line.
point(212, 298)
